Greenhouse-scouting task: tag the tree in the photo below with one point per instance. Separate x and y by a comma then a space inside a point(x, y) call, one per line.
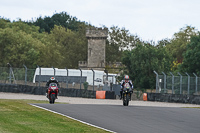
point(143, 60)
point(71, 47)
point(21, 43)
point(18, 48)
point(3, 23)
point(179, 42)
point(163, 43)
point(191, 56)
point(118, 41)
point(60, 19)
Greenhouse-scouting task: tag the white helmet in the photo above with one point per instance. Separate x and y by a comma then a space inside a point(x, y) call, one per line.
point(52, 79)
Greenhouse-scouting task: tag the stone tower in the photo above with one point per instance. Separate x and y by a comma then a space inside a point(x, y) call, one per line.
point(96, 48)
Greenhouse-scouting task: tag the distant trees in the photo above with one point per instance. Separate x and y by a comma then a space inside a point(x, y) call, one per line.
point(18, 46)
point(60, 41)
point(46, 24)
point(179, 54)
point(118, 41)
point(191, 61)
point(143, 60)
point(71, 47)
point(24, 43)
point(178, 44)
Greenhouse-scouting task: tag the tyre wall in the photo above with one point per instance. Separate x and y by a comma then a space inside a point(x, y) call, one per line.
point(174, 98)
point(70, 92)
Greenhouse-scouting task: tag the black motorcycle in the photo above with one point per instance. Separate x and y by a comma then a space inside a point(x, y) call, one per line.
point(126, 94)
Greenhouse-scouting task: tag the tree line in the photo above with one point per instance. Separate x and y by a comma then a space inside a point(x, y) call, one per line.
point(57, 41)
point(60, 41)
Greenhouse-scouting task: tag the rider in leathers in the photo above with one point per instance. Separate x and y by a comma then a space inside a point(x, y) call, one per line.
point(126, 80)
point(51, 80)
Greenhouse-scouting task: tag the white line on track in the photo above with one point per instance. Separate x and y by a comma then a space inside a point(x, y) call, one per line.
point(73, 118)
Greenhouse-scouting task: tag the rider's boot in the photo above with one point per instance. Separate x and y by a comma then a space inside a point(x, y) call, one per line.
point(47, 95)
point(120, 95)
point(131, 91)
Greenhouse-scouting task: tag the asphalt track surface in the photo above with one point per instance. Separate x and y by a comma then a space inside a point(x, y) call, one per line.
point(133, 119)
point(139, 117)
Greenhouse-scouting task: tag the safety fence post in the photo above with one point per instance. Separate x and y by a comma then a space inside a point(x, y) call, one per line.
point(172, 82)
point(54, 71)
point(196, 82)
point(157, 91)
point(39, 74)
point(188, 83)
point(25, 74)
point(164, 82)
point(181, 77)
point(10, 72)
point(93, 80)
point(80, 78)
point(67, 78)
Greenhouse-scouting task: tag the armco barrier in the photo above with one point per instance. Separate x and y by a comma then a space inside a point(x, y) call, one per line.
point(70, 92)
point(110, 95)
point(175, 98)
point(42, 90)
point(22, 89)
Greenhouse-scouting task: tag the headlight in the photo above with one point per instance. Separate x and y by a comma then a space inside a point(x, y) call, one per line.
point(53, 88)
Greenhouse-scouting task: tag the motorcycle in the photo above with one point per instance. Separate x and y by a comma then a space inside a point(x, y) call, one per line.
point(126, 94)
point(52, 92)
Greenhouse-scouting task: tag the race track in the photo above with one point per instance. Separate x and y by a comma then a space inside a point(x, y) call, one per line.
point(139, 117)
point(133, 119)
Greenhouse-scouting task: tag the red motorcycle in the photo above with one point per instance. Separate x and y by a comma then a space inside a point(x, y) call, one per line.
point(52, 92)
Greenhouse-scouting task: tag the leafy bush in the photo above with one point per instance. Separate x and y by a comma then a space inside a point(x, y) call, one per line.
point(85, 84)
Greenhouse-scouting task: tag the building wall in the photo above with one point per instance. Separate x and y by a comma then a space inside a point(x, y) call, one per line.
point(96, 47)
point(96, 53)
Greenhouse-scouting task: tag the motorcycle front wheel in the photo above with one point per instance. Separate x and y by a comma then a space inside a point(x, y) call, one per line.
point(124, 99)
point(52, 98)
point(127, 100)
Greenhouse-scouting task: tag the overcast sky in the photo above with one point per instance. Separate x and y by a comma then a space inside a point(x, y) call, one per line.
point(149, 19)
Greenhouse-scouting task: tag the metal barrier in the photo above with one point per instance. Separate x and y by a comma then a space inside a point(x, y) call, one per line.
point(26, 76)
point(9, 75)
point(181, 84)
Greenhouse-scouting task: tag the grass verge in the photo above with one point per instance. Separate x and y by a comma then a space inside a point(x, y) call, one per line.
point(17, 116)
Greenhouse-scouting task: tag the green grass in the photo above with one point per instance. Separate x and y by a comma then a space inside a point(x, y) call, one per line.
point(17, 116)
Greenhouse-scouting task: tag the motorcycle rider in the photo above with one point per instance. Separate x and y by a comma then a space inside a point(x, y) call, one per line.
point(51, 80)
point(126, 80)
